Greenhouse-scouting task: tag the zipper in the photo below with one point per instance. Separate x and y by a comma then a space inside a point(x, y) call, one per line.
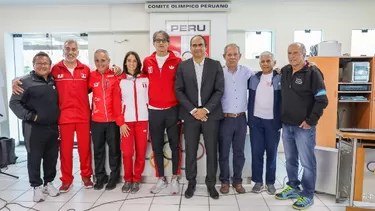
point(135, 99)
point(104, 95)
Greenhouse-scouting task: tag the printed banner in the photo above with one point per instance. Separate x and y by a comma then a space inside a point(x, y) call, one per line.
point(181, 32)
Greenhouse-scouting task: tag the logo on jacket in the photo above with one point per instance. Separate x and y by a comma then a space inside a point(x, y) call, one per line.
point(171, 67)
point(83, 75)
point(60, 76)
point(299, 81)
point(96, 84)
point(144, 84)
point(53, 87)
point(150, 69)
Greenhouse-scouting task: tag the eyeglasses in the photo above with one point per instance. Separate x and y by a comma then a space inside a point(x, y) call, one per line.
point(160, 40)
point(42, 64)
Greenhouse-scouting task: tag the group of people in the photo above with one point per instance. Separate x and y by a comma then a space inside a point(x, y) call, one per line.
point(162, 94)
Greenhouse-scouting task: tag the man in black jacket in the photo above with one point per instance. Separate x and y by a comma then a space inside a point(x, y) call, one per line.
point(304, 98)
point(38, 109)
point(199, 89)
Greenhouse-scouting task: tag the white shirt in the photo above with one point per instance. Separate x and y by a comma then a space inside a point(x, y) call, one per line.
point(161, 60)
point(263, 106)
point(199, 73)
point(71, 70)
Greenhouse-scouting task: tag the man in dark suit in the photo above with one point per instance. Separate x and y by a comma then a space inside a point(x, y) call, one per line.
point(199, 89)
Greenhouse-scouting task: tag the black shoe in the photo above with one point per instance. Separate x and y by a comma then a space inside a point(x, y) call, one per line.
point(190, 191)
point(111, 184)
point(213, 192)
point(135, 188)
point(126, 187)
point(100, 183)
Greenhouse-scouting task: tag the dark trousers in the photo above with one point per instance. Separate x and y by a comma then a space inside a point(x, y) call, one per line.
point(264, 136)
point(192, 131)
point(41, 142)
point(159, 120)
point(232, 132)
point(106, 132)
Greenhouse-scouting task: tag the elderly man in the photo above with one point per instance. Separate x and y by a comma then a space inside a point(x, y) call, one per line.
point(303, 101)
point(233, 127)
point(264, 122)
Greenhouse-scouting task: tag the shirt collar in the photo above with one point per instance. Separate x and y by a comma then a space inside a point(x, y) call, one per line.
point(227, 68)
point(201, 64)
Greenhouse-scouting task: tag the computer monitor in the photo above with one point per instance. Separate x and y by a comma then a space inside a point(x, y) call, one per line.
point(356, 72)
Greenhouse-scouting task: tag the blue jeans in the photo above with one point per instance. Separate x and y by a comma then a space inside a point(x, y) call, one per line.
point(300, 142)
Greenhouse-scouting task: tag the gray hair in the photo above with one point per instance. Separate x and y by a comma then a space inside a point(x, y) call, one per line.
point(163, 33)
point(267, 53)
point(231, 45)
point(102, 51)
point(70, 41)
point(301, 46)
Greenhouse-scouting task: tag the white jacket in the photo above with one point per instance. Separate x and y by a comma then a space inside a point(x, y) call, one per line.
point(134, 98)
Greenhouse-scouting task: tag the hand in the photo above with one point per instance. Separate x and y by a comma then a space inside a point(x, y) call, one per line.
point(117, 70)
point(200, 114)
point(304, 125)
point(16, 89)
point(35, 118)
point(312, 64)
point(124, 130)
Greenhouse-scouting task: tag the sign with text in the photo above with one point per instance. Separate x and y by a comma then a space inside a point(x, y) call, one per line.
point(188, 7)
point(181, 32)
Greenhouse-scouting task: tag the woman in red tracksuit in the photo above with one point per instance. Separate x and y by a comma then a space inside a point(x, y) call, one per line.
point(133, 121)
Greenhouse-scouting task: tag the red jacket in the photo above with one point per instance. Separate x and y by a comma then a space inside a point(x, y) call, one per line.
point(161, 90)
point(105, 91)
point(73, 92)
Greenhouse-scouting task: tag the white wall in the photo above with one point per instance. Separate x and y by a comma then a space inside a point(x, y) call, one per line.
point(335, 19)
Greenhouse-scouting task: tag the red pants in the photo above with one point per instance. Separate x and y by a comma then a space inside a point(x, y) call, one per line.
point(66, 150)
point(138, 135)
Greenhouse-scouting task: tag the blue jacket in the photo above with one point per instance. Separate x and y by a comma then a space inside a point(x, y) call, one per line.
point(253, 85)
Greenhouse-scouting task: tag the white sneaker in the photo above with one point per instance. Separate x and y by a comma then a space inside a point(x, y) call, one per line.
point(38, 194)
point(175, 186)
point(160, 185)
point(51, 190)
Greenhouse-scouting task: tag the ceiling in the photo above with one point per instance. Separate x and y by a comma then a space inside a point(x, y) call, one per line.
point(65, 2)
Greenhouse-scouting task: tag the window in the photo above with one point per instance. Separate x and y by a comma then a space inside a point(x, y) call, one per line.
point(308, 38)
point(363, 42)
point(256, 42)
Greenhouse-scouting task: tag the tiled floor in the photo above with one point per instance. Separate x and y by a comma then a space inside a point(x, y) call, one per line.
point(79, 199)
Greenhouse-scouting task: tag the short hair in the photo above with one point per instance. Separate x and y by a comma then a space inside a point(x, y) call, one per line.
point(42, 54)
point(198, 35)
point(231, 45)
point(102, 51)
point(301, 46)
point(164, 33)
point(267, 53)
point(70, 41)
point(138, 69)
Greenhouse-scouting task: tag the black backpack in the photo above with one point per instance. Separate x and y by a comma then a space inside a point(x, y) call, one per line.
point(7, 152)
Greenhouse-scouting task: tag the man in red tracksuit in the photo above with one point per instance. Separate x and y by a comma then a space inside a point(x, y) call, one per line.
point(105, 91)
point(72, 79)
point(163, 109)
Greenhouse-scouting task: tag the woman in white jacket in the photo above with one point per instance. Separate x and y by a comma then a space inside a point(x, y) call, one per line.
point(133, 120)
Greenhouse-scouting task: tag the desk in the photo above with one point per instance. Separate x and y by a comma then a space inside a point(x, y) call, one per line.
point(354, 138)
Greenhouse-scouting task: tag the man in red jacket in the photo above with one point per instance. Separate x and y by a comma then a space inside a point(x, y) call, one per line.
point(72, 79)
point(161, 68)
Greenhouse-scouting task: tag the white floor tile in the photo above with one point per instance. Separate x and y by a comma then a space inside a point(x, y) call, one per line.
point(63, 197)
point(196, 200)
point(167, 199)
point(271, 201)
point(224, 208)
point(27, 196)
point(330, 200)
point(159, 207)
point(224, 200)
point(194, 208)
point(106, 206)
point(77, 206)
point(20, 185)
point(337, 208)
point(250, 199)
point(136, 207)
point(48, 206)
point(17, 207)
point(290, 208)
point(87, 195)
point(255, 208)
point(10, 195)
point(109, 196)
